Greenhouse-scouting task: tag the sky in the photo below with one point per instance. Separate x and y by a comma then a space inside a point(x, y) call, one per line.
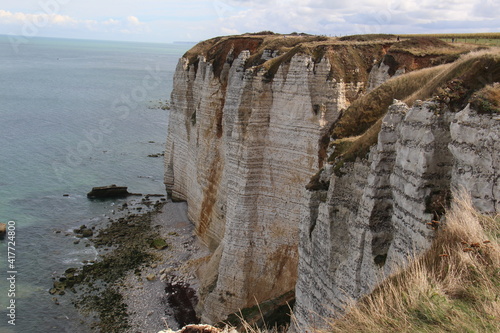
point(195, 20)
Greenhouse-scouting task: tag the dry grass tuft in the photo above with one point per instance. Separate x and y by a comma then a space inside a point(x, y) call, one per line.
point(454, 287)
point(487, 100)
point(424, 46)
point(472, 71)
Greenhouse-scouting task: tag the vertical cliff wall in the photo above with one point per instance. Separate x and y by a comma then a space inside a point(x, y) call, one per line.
point(250, 122)
point(365, 217)
point(244, 138)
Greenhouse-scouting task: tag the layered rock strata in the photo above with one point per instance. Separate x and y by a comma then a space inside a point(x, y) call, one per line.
point(241, 145)
point(248, 128)
point(381, 210)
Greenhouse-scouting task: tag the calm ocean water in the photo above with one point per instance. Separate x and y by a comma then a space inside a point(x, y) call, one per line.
point(73, 114)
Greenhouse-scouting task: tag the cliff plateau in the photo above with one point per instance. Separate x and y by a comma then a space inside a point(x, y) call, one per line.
point(253, 118)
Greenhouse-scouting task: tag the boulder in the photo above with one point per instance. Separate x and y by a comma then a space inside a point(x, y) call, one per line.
point(83, 231)
point(3, 228)
point(110, 191)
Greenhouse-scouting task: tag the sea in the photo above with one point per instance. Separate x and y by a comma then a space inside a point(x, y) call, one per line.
point(74, 114)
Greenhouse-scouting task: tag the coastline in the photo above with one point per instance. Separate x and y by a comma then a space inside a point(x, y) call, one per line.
point(133, 286)
point(149, 302)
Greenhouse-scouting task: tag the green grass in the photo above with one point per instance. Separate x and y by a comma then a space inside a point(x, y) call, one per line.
point(486, 39)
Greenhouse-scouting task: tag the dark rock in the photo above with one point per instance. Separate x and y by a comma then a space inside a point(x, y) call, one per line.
point(156, 155)
point(87, 233)
point(70, 271)
point(83, 231)
point(58, 285)
point(182, 300)
point(111, 191)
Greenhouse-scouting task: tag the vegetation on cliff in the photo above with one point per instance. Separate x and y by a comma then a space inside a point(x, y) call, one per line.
point(351, 58)
point(470, 79)
point(453, 287)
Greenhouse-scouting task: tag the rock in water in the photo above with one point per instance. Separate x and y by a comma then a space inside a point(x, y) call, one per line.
point(111, 191)
point(3, 228)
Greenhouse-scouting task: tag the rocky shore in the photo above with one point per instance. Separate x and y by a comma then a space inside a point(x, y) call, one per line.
point(143, 279)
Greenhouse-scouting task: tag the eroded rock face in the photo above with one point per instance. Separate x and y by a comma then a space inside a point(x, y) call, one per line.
point(383, 71)
point(475, 147)
point(240, 149)
point(248, 130)
point(380, 211)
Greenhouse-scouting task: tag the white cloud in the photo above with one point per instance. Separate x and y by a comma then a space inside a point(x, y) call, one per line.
point(169, 20)
point(128, 25)
point(365, 16)
point(7, 17)
point(132, 20)
point(111, 22)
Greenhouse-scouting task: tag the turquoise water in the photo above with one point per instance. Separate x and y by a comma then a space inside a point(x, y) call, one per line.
point(73, 114)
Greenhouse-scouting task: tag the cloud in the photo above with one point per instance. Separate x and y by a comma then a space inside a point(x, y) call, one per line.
point(132, 20)
point(365, 16)
point(160, 20)
point(128, 25)
point(36, 19)
point(487, 9)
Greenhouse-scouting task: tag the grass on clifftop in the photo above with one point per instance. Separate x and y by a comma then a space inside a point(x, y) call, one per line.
point(351, 57)
point(454, 287)
point(470, 79)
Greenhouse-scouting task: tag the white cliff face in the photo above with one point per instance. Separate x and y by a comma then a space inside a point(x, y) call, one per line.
point(243, 142)
point(377, 215)
point(382, 72)
point(240, 150)
point(475, 147)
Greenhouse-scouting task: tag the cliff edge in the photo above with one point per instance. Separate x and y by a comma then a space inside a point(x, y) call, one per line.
point(254, 117)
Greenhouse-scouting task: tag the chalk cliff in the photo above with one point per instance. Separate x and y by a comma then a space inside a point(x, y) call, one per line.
point(368, 213)
point(253, 118)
